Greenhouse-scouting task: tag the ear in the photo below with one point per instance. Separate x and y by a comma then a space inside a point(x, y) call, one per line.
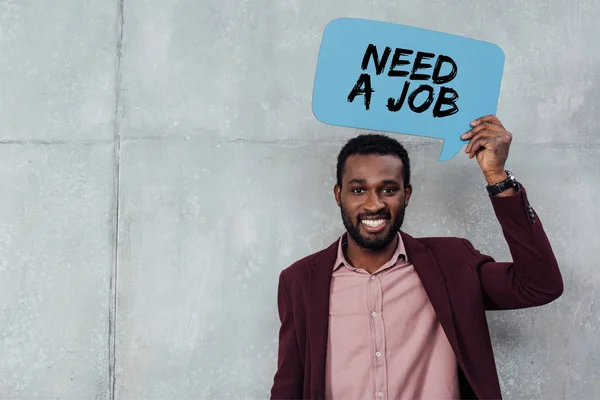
point(337, 192)
point(407, 194)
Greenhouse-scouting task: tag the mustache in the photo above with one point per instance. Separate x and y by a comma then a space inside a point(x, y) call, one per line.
point(376, 216)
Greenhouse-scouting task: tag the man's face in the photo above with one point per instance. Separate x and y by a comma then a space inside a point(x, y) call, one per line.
point(372, 199)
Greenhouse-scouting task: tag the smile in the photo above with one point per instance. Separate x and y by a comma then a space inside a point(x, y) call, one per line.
point(374, 225)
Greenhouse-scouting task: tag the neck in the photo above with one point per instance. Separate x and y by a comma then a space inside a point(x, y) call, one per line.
point(369, 260)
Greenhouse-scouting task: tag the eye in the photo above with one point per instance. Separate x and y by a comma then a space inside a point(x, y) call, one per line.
point(390, 190)
point(357, 190)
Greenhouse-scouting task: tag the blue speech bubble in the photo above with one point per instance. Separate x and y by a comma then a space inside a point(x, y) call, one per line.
point(402, 79)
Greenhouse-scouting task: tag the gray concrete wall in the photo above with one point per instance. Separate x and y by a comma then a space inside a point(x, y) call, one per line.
point(153, 184)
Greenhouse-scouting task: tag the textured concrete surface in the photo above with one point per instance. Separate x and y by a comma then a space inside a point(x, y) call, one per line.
point(153, 185)
point(56, 261)
point(57, 69)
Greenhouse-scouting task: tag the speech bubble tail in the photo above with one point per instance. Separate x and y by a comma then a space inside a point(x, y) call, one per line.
point(450, 149)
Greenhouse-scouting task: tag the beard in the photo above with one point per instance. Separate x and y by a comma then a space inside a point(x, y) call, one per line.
point(382, 239)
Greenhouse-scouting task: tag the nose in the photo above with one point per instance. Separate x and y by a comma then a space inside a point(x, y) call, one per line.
point(373, 204)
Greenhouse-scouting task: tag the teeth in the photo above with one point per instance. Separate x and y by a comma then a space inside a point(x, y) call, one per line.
point(373, 223)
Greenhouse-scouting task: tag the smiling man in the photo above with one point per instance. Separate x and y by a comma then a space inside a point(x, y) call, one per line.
point(382, 315)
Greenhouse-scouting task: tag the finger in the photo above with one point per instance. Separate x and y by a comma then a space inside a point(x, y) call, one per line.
point(501, 140)
point(479, 145)
point(483, 134)
point(481, 127)
point(488, 118)
point(488, 126)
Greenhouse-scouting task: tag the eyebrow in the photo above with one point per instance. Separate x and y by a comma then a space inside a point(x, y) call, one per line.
point(384, 182)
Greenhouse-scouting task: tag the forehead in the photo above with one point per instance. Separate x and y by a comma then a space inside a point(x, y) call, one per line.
point(373, 167)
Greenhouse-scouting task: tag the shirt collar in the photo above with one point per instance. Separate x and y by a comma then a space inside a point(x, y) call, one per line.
point(343, 242)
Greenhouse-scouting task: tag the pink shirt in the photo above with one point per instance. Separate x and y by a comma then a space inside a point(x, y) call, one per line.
point(385, 341)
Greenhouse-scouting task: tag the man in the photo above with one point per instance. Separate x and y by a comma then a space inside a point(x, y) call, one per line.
point(382, 315)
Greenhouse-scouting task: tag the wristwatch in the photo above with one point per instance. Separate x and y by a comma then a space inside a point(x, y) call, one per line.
point(506, 184)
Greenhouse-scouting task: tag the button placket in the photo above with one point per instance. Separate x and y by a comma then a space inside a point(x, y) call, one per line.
point(379, 337)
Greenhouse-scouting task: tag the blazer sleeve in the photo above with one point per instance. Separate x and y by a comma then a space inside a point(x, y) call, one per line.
point(533, 278)
point(288, 381)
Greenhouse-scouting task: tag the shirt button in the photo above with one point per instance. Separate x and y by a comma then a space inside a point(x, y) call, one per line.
point(374, 314)
point(378, 354)
point(372, 277)
point(380, 394)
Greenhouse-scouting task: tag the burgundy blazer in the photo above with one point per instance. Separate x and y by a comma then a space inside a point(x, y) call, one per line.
point(461, 284)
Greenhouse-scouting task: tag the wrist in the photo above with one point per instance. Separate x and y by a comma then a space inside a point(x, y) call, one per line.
point(495, 177)
point(501, 184)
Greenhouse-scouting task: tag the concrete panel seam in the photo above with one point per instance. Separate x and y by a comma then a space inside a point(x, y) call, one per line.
point(56, 142)
point(113, 292)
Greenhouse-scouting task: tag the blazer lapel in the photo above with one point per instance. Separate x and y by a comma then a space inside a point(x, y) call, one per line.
point(319, 293)
point(433, 281)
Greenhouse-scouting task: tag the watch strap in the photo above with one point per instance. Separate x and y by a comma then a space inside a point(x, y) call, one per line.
point(509, 182)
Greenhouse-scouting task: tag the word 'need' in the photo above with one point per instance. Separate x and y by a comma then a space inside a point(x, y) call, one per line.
point(445, 97)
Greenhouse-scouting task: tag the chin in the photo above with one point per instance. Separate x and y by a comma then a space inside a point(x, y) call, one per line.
point(376, 241)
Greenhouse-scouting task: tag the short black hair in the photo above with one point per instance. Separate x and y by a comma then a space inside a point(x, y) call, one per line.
point(373, 143)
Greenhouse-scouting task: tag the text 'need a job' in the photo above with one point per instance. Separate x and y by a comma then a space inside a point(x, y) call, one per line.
point(445, 97)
